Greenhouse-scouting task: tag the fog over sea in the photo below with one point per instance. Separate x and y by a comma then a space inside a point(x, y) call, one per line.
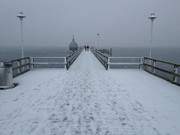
point(163, 53)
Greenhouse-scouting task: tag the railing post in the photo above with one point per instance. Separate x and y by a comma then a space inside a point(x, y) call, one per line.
point(140, 62)
point(18, 69)
point(65, 62)
point(176, 72)
point(31, 63)
point(25, 62)
point(144, 63)
point(21, 68)
point(108, 62)
point(151, 68)
point(154, 65)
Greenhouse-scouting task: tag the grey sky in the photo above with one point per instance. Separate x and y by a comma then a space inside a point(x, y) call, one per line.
point(120, 22)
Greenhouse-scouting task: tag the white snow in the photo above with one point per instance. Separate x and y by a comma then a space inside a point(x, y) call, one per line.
point(88, 100)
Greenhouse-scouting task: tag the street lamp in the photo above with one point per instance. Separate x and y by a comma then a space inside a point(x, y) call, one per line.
point(152, 17)
point(98, 40)
point(21, 16)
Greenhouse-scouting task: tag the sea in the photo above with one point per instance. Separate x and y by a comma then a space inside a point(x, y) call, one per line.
point(9, 53)
point(163, 53)
point(160, 53)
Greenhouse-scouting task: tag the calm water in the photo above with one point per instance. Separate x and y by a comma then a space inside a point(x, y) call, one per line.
point(168, 54)
point(13, 53)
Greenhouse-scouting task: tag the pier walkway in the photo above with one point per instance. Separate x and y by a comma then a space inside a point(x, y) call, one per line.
point(89, 100)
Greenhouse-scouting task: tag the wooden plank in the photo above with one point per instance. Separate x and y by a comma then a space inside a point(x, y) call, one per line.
point(163, 70)
point(110, 63)
point(27, 64)
point(156, 60)
point(45, 63)
point(48, 57)
point(138, 58)
point(19, 59)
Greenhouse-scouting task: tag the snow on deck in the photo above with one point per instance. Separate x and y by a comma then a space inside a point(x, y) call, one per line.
point(88, 100)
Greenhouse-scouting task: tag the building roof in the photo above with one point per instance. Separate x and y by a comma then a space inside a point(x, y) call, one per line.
point(73, 45)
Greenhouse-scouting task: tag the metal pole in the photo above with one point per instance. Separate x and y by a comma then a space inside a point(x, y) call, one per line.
point(22, 40)
point(98, 41)
point(108, 66)
point(21, 16)
point(176, 72)
point(151, 40)
point(152, 18)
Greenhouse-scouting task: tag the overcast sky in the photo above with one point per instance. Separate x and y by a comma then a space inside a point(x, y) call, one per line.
point(119, 22)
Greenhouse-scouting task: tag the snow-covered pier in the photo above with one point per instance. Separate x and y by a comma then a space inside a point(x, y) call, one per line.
point(88, 100)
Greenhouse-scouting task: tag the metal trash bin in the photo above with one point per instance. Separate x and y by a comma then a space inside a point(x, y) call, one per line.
point(6, 75)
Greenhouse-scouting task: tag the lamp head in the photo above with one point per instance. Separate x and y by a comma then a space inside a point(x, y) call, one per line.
point(21, 16)
point(152, 16)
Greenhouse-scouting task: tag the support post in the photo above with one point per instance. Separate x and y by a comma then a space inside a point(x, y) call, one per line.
point(110, 52)
point(154, 65)
point(22, 67)
point(65, 62)
point(176, 72)
point(18, 69)
point(142, 63)
point(31, 63)
point(108, 63)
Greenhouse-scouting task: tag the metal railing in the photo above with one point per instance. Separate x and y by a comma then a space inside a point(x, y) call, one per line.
point(72, 57)
point(103, 58)
point(20, 66)
point(166, 70)
point(55, 62)
point(125, 62)
point(117, 62)
point(48, 62)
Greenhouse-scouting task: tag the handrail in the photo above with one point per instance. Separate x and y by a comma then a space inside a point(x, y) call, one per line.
point(126, 61)
point(72, 57)
point(107, 60)
point(124, 57)
point(48, 61)
point(169, 71)
point(164, 70)
point(18, 59)
point(101, 57)
point(20, 66)
point(49, 57)
point(157, 60)
point(102, 54)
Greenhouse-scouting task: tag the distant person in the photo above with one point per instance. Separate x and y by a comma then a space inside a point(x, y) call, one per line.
point(87, 48)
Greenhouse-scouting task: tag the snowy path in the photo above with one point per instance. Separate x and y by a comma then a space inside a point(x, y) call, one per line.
point(88, 100)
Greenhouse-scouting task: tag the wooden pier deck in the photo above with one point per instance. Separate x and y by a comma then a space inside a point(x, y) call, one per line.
point(88, 100)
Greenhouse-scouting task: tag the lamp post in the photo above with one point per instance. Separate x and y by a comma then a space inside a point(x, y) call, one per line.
point(98, 40)
point(152, 17)
point(21, 16)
